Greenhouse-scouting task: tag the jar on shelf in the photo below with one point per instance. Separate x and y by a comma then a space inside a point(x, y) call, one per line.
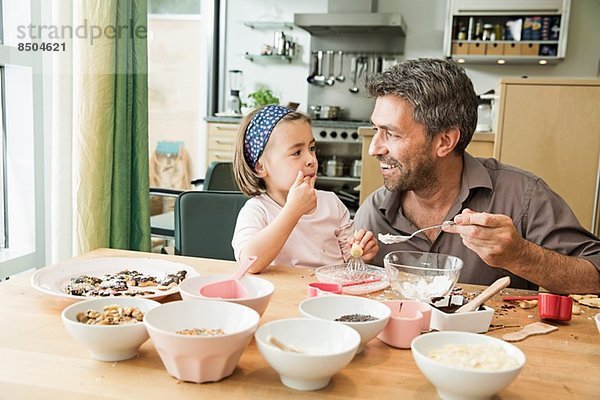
point(484, 116)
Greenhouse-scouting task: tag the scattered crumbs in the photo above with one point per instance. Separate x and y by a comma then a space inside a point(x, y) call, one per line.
point(530, 316)
point(495, 327)
point(574, 336)
point(302, 276)
point(114, 364)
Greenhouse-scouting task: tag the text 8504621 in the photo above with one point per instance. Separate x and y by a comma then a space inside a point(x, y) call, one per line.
point(43, 46)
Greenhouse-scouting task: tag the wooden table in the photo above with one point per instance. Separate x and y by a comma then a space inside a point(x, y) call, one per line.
point(40, 360)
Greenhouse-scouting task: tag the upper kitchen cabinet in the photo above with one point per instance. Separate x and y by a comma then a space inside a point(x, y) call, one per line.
point(551, 127)
point(507, 31)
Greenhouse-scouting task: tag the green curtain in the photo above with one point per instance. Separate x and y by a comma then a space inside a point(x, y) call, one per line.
point(130, 210)
point(110, 128)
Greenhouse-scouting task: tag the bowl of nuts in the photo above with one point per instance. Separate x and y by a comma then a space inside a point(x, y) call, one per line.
point(111, 328)
point(201, 341)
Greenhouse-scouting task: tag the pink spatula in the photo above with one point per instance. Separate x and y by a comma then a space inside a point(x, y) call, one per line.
point(229, 288)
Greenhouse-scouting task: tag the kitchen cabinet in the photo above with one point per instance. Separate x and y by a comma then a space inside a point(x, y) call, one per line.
point(507, 31)
point(482, 145)
point(551, 128)
point(220, 142)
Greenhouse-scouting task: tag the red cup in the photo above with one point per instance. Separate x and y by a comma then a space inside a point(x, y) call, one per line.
point(555, 307)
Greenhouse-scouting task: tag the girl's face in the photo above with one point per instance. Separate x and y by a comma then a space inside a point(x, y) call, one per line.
point(291, 148)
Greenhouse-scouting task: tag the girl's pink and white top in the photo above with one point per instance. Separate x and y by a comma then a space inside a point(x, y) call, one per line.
point(321, 238)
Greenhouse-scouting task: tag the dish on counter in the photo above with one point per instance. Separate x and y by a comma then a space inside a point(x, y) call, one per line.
point(340, 274)
point(155, 273)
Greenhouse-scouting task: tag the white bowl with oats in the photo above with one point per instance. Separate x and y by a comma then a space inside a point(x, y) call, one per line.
point(463, 365)
point(111, 328)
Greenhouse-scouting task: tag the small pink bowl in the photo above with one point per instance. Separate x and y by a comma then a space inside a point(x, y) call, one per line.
point(408, 319)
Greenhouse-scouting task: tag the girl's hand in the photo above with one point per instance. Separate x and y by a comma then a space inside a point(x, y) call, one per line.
point(367, 241)
point(302, 196)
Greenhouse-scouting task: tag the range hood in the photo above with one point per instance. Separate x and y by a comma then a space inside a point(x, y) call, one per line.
point(324, 24)
point(351, 16)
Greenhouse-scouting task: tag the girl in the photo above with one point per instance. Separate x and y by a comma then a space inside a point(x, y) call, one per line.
point(287, 221)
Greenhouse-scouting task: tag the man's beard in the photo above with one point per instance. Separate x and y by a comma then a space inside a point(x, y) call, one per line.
point(421, 176)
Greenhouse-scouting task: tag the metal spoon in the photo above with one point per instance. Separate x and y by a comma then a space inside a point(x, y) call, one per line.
point(354, 88)
point(331, 76)
point(341, 77)
point(388, 238)
point(319, 78)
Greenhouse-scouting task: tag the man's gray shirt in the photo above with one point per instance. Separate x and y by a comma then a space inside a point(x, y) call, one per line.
point(539, 214)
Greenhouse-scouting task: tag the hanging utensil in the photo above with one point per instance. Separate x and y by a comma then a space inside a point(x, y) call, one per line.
point(331, 76)
point(319, 78)
point(357, 72)
point(341, 77)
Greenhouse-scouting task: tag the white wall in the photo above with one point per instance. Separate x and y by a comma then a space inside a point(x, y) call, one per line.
point(425, 30)
point(288, 81)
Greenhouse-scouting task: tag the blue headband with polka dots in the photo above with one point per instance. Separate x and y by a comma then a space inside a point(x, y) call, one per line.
point(258, 131)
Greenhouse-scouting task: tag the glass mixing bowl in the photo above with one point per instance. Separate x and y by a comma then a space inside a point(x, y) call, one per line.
point(421, 276)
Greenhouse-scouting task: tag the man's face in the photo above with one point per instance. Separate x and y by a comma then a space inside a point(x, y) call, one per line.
point(407, 160)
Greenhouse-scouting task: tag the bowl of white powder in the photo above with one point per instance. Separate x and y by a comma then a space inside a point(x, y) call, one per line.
point(419, 275)
point(464, 365)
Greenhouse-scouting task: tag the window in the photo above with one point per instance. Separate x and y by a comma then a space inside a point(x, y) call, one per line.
point(180, 69)
point(22, 173)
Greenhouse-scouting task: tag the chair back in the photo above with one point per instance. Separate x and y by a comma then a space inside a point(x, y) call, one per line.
point(219, 176)
point(205, 221)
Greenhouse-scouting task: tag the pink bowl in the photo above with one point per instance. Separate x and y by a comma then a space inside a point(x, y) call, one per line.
point(201, 358)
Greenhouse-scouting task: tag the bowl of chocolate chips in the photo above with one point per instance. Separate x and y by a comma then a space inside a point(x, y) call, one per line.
point(368, 317)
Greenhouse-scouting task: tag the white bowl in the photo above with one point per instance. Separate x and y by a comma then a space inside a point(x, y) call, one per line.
point(333, 307)
point(201, 358)
point(464, 383)
point(472, 321)
point(260, 290)
point(108, 342)
point(598, 322)
point(326, 347)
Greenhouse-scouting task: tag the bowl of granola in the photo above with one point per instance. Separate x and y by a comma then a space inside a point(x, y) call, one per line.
point(111, 328)
point(201, 341)
point(259, 290)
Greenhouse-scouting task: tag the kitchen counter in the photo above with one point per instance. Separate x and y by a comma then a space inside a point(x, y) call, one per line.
point(40, 360)
point(317, 123)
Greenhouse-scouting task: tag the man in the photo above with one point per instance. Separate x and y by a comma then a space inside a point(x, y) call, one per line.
point(508, 221)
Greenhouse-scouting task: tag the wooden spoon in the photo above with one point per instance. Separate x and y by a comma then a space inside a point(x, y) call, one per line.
point(485, 295)
point(537, 328)
point(282, 346)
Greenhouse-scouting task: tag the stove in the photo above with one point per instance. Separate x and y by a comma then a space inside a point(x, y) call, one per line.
point(340, 140)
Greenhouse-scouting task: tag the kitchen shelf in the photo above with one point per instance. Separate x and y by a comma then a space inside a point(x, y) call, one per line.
point(269, 25)
point(253, 57)
point(538, 36)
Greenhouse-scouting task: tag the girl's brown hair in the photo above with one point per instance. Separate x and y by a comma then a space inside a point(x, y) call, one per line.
point(245, 176)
